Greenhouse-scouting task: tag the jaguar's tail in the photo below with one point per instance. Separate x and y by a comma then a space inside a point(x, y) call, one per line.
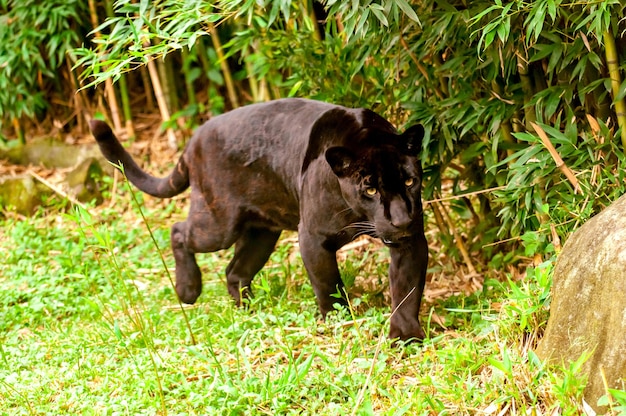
point(176, 182)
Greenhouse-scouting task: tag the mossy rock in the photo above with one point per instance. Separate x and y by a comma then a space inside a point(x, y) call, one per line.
point(24, 194)
point(21, 194)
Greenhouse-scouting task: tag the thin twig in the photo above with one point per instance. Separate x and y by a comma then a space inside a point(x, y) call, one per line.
point(416, 61)
point(606, 388)
point(454, 197)
point(57, 190)
point(457, 237)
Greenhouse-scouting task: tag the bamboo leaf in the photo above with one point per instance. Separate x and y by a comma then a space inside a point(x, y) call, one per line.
point(359, 29)
point(408, 10)
point(552, 9)
point(378, 11)
point(542, 51)
point(504, 28)
point(294, 90)
point(535, 20)
point(475, 19)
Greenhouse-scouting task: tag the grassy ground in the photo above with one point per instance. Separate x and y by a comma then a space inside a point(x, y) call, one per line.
point(89, 324)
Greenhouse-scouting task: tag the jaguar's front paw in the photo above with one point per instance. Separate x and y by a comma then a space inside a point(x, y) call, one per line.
point(407, 332)
point(188, 292)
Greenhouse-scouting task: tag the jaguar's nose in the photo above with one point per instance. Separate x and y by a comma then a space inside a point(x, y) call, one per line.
point(400, 213)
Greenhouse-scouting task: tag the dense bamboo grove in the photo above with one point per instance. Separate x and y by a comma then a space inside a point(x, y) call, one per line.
point(523, 101)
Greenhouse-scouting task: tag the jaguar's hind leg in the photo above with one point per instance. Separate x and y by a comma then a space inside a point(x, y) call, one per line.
point(252, 250)
point(199, 234)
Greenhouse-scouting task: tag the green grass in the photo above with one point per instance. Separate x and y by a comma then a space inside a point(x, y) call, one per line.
point(90, 324)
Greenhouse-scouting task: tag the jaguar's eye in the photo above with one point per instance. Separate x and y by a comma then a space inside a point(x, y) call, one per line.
point(371, 191)
point(409, 182)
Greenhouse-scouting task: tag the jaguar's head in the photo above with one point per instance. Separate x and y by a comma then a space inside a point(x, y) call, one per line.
point(381, 179)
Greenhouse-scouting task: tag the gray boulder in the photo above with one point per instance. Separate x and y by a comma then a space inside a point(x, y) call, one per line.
point(588, 310)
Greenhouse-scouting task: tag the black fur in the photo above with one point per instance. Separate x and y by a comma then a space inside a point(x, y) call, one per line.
point(331, 173)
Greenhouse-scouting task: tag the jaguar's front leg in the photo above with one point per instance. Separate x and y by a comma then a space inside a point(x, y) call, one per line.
point(407, 277)
point(321, 266)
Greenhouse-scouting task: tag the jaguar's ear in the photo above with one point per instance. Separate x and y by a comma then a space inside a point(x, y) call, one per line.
point(412, 139)
point(341, 160)
point(331, 128)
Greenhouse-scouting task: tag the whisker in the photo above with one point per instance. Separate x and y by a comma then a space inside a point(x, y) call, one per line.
point(360, 228)
point(343, 211)
point(362, 223)
point(360, 233)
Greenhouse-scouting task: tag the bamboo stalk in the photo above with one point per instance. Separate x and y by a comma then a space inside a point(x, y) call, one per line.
point(441, 224)
point(161, 69)
point(228, 79)
point(172, 82)
point(557, 158)
point(506, 128)
point(612, 61)
point(443, 85)
point(170, 89)
point(158, 92)
point(253, 83)
point(109, 91)
point(19, 130)
point(263, 90)
point(145, 80)
point(556, 240)
point(203, 55)
point(168, 83)
point(527, 89)
point(191, 93)
point(79, 102)
point(206, 66)
point(309, 11)
point(595, 130)
point(128, 116)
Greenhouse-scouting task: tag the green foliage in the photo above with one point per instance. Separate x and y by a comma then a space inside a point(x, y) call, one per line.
point(537, 194)
point(476, 75)
point(118, 343)
point(32, 288)
point(141, 31)
point(617, 402)
point(34, 40)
